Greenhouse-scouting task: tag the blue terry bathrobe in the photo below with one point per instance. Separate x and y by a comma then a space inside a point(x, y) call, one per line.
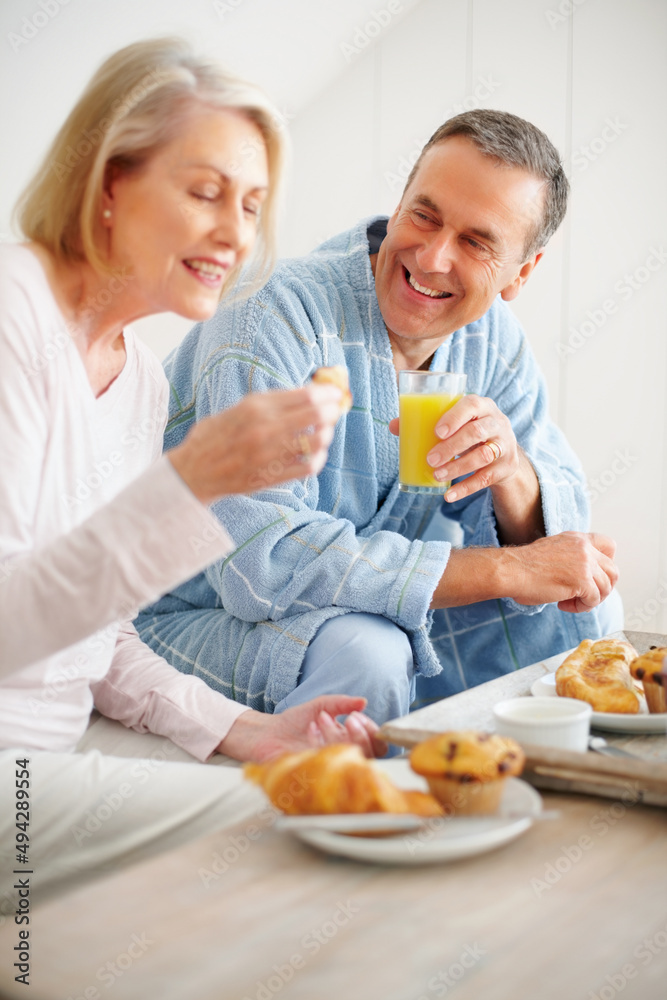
point(349, 540)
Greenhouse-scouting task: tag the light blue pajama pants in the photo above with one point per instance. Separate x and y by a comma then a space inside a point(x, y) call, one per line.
point(358, 654)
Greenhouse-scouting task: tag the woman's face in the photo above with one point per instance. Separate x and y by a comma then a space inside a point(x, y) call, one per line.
point(182, 221)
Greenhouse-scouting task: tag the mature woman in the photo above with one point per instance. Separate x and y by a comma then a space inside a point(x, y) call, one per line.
point(160, 186)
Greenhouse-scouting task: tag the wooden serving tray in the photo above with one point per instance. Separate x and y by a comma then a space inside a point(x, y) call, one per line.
point(642, 780)
point(631, 781)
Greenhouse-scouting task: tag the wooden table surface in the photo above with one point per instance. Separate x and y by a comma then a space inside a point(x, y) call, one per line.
point(574, 904)
point(574, 909)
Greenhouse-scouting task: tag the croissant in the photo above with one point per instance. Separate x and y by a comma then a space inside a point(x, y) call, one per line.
point(335, 779)
point(336, 375)
point(598, 672)
point(650, 670)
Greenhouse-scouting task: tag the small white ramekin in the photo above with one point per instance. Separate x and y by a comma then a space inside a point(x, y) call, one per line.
point(547, 722)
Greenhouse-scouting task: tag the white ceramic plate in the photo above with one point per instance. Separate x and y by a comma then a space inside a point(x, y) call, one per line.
point(613, 722)
point(446, 839)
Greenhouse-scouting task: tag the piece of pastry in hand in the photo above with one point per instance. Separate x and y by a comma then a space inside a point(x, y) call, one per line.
point(466, 771)
point(599, 672)
point(336, 375)
point(334, 779)
point(649, 668)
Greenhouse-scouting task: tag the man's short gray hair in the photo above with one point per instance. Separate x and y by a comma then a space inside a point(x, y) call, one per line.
point(512, 140)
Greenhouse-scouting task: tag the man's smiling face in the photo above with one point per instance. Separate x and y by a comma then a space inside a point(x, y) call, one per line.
point(454, 243)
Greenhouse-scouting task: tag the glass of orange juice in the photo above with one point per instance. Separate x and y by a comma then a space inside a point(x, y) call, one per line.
point(423, 398)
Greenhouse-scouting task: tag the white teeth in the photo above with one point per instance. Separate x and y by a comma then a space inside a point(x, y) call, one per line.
point(426, 291)
point(206, 266)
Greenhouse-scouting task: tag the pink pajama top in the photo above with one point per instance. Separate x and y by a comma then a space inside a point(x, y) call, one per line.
point(94, 523)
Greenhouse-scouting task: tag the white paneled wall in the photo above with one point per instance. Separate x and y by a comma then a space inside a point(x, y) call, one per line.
point(591, 73)
point(517, 45)
point(615, 399)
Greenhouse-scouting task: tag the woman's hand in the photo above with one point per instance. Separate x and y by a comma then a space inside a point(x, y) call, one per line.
point(267, 438)
point(257, 736)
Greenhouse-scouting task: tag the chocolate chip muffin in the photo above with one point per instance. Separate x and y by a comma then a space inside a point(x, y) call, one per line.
point(651, 670)
point(466, 771)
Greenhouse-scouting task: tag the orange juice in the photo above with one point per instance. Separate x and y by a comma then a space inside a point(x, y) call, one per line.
point(419, 413)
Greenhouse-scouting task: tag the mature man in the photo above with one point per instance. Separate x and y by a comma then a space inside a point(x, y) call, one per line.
point(330, 587)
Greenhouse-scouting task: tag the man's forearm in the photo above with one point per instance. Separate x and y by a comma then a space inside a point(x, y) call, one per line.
point(472, 575)
point(574, 569)
point(518, 506)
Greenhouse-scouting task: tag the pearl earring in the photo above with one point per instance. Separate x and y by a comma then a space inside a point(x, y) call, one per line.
point(107, 213)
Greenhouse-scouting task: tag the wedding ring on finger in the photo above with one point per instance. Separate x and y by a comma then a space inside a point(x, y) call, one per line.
point(495, 448)
point(304, 447)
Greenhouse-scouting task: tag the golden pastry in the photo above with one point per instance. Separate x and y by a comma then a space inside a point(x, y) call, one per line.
point(334, 779)
point(599, 673)
point(466, 771)
point(336, 375)
point(650, 670)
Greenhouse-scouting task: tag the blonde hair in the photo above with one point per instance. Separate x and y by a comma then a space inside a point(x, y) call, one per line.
point(129, 110)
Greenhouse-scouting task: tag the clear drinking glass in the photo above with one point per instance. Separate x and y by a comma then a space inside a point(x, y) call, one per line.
point(423, 398)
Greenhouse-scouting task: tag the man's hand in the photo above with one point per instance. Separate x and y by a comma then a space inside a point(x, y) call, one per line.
point(466, 430)
point(573, 569)
point(478, 442)
point(257, 736)
point(476, 431)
